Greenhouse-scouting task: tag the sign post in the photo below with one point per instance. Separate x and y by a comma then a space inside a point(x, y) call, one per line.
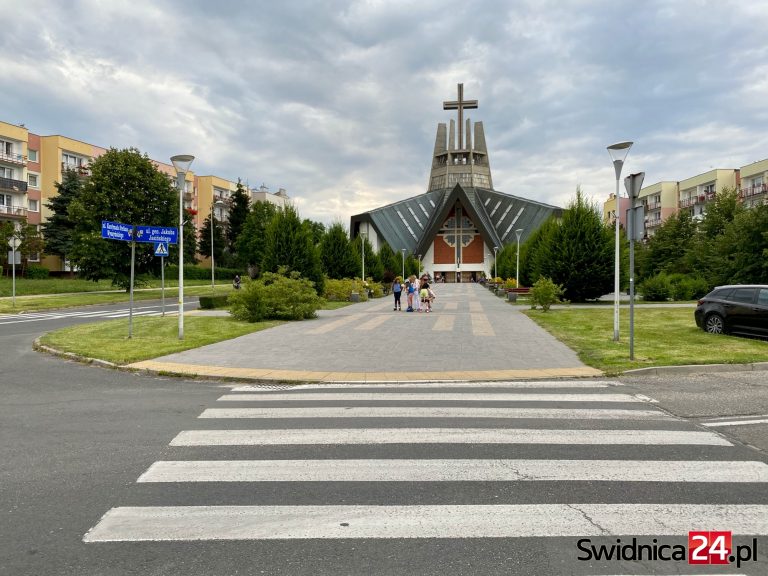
point(14, 243)
point(161, 236)
point(133, 260)
point(161, 249)
point(633, 183)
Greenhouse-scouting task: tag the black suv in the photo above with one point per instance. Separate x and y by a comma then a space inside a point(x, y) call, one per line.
point(741, 309)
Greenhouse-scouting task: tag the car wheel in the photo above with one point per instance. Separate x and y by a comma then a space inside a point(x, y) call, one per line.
point(714, 324)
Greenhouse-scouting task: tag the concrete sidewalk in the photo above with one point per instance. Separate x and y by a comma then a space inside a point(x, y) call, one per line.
point(470, 335)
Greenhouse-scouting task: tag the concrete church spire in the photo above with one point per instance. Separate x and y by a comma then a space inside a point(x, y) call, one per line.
point(459, 161)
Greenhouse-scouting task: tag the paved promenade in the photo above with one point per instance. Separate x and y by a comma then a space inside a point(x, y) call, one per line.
point(470, 335)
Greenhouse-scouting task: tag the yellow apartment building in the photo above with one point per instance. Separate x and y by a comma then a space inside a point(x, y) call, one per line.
point(754, 183)
point(14, 187)
point(695, 193)
point(660, 201)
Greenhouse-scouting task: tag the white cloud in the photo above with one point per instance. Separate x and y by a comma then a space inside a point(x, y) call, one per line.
point(338, 102)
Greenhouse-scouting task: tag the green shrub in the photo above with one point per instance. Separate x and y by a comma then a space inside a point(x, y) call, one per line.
point(211, 302)
point(37, 272)
point(544, 293)
point(510, 283)
point(656, 288)
point(685, 287)
point(275, 297)
point(377, 289)
point(340, 290)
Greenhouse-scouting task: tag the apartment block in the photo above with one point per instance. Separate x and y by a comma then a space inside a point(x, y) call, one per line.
point(754, 183)
point(31, 165)
point(696, 192)
point(14, 159)
point(660, 201)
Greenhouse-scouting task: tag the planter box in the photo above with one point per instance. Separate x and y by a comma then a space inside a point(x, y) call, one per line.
point(511, 296)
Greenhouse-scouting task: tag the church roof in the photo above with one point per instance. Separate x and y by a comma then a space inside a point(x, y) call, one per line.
point(413, 223)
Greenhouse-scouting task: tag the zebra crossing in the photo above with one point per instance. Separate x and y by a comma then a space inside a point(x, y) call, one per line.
point(77, 314)
point(571, 459)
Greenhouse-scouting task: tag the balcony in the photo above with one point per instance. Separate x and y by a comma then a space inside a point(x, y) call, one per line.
point(654, 205)
point(13, 211)
point(11, 185)
point(81, 169)
point(13, 159)
point(701, 198)
point(686, 202)
point(754, 190)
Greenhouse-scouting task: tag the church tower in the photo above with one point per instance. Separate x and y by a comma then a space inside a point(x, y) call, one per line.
point(463, 161)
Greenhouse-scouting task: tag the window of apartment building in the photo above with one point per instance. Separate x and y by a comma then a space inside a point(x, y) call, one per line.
point(71, 160)
point(32, 155)
point(33, 205)
point(6, 147)
point(6, 200)
point(6, 172)
point(33, 180)
point(756, 182)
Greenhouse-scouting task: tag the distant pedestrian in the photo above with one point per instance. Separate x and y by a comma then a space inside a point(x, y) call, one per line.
point(397, 290)
point(425, 297)
point(416, 294)
point(409, 295)
point(236, 282)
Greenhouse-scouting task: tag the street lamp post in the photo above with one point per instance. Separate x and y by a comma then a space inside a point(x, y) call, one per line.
point(216, 204)
point(402, 250)
point(618, 153)
point(181, 163)
point(495, 249)
point(518, 233)
point(362, 243)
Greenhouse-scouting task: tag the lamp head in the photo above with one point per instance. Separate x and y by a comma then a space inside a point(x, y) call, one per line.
point(619, 150)
point(182, 162)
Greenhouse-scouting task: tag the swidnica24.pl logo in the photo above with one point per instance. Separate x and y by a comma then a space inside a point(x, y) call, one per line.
point(713, 547)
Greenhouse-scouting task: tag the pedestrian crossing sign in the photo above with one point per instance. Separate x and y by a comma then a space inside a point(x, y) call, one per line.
point(161, 248)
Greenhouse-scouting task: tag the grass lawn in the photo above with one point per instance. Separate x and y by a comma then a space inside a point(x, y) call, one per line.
point(54, 301)
point(152, 337)
point(26, 286)
point(663, 337)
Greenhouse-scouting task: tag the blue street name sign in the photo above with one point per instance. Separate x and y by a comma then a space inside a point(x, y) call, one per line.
point(116, 230)
point(154, 234)
point(161, 249)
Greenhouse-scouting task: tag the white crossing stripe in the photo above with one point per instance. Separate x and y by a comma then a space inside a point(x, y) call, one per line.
point(432, 521)
point(736, 422)
point(475, 385)
point(436, 412)
point(444, 436)
point(369, 396)
point(454, 471)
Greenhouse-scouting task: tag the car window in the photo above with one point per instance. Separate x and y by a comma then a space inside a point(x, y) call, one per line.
point(762, 297)
point(746, 295)
point(721, 293)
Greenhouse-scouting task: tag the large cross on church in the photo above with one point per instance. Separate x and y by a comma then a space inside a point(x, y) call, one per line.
point(460, 105)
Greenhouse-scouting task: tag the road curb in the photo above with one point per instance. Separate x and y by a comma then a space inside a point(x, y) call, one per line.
point(696, 369)
point(36, 345)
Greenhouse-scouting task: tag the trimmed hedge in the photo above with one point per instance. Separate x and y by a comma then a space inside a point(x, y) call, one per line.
point(37, 272)
point(275, 297)
point(212, 302)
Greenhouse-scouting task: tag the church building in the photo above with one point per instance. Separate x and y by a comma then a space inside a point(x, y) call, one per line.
point(455, 225)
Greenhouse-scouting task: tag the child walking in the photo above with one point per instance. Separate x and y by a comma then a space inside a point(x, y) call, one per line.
point(426, 299)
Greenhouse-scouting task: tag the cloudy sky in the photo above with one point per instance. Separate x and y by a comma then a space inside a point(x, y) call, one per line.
point(338, 101)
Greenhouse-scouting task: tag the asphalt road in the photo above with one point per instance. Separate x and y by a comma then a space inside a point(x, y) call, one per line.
point(75, 440)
